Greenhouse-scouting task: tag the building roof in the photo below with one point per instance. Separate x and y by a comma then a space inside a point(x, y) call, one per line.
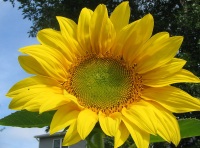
point(48, 135)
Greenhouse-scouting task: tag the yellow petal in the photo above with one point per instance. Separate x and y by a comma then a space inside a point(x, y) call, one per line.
point(141, 114)
point(145, 48)
point(52, 61)
point(29, 100)
point(68, 27)
point(73, 99)
point(18, 103)
point(83, 34)
point(30, 65)
point(47, 101)
point(32, 108)
point(178, 77)
point(72, 135)
point(164, 53)
point(23, 97)
point(140, 137)
point(54, 101)
point(172, 98)
point(54, 39)
point(120, 16)
point(86, 122)
point(32, 89)
point(123, 39)
point(38, 82)
point(68, 30)
point(102, 32)
point(167, 125)
point(64, 116)
point(110, 124)
point(143, 31)
point(164, 71)
point(132, 36)
point(121, 135)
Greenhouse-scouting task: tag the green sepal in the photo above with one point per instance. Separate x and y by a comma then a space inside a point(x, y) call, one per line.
point(27, 119)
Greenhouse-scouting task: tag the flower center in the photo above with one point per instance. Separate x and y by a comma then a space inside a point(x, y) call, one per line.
point(103, 84)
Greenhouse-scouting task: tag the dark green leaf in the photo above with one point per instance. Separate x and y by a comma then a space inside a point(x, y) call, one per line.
point(27, 119)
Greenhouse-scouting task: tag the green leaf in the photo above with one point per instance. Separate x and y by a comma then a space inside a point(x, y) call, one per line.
point(188, 128)
point(27, 119)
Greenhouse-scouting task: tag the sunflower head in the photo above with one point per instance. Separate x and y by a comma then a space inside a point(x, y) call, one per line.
point(105, 70)
point(103, 84)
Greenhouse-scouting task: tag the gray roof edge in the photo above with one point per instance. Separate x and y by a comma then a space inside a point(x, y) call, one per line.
point(48, 135)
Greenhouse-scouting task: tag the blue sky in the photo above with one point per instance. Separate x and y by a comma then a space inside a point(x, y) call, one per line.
point(13, 35)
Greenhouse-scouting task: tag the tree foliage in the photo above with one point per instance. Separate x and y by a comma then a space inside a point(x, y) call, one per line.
point(178, 17)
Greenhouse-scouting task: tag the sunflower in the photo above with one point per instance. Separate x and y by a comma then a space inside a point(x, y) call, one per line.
point(104, 70)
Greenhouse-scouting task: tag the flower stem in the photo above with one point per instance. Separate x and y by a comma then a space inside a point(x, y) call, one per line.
point(95, 139)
